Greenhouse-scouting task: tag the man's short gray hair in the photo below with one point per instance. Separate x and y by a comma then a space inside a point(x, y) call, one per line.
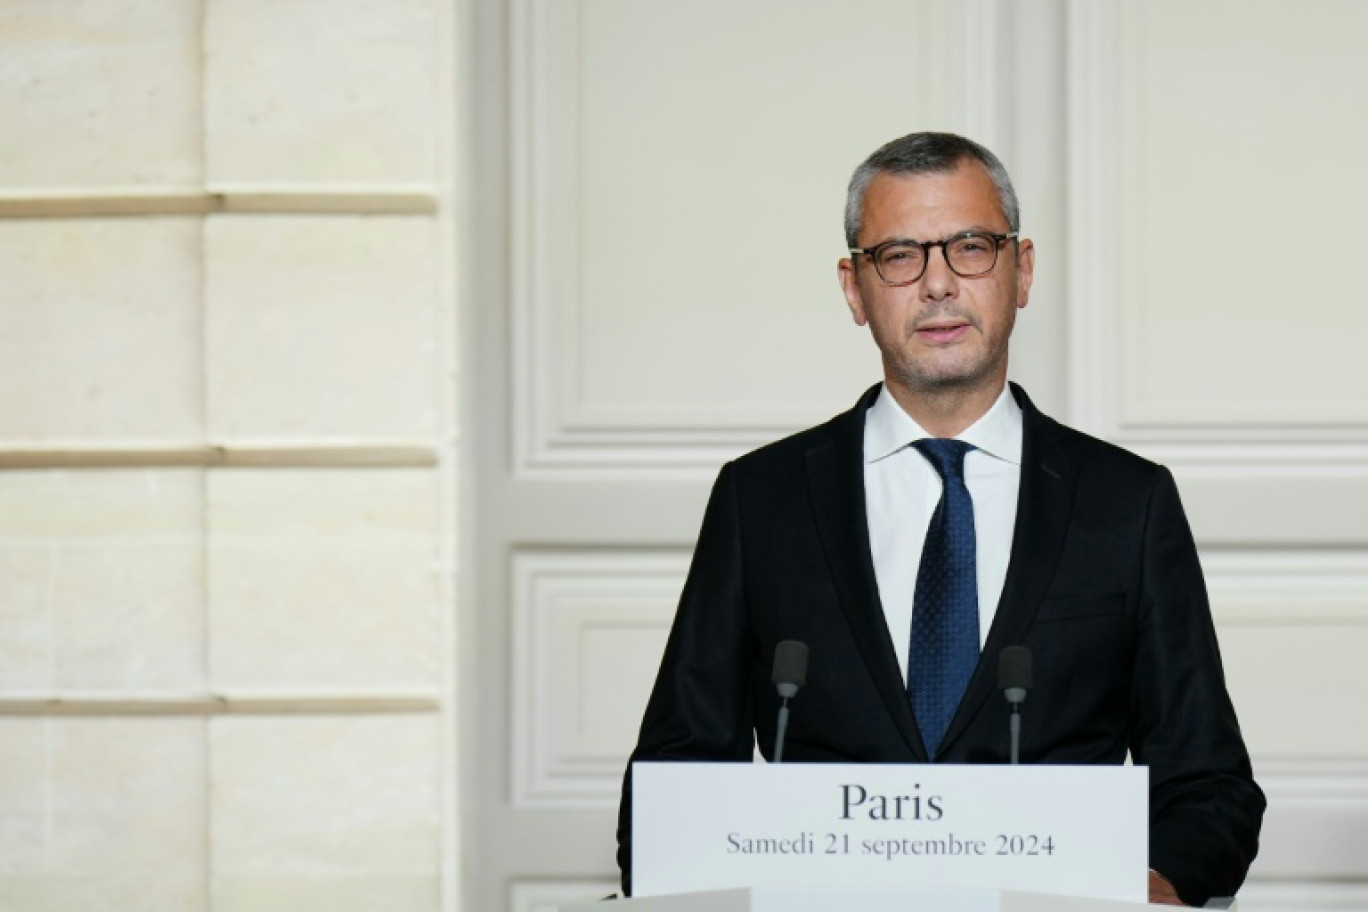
point(926, 153)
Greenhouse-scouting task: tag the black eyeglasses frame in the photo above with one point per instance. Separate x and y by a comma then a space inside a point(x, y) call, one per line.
point(926, 247)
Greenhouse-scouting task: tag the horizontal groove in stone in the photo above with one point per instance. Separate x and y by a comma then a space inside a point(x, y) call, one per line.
point(361, 455)
point(212, 705)
point(138, 201)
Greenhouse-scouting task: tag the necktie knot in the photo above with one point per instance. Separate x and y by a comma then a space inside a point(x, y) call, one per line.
point(945, 456)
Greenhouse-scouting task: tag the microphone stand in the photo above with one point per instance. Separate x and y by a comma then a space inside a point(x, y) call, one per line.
point(1014, 731)
point(783, 725)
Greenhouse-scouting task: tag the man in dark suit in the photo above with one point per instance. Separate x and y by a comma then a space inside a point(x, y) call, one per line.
point(940, 520)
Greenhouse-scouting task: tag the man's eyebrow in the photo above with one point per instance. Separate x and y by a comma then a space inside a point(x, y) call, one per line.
point(976, 229)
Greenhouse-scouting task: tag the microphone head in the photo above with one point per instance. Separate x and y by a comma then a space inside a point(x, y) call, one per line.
point(1014, 672)
point(790, 667)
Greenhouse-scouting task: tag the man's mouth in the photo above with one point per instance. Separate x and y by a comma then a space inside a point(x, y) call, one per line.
point(942, 332)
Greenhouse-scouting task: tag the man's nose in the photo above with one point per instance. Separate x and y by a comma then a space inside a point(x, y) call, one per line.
point(939, 281)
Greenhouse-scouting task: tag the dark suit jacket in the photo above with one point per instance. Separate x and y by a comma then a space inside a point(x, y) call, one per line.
point(1103, 586)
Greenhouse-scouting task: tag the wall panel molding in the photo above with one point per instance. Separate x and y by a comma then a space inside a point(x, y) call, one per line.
point(1271, 483)
point(1097, 146)
point(1257, 587)
point(1317, 821)
point(1092, 150)
point(981, 63)
point(588, 629)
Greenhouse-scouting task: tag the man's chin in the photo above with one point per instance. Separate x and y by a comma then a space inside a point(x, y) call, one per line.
point(949, 378)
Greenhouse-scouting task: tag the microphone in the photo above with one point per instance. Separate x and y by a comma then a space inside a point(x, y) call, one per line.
point(1014, 677)
point(790, 673)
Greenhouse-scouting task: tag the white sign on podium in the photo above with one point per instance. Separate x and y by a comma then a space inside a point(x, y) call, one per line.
point(1071, 830)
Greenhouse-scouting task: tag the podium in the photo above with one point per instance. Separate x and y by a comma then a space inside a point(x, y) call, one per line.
point(777, 900)
point(715, 837)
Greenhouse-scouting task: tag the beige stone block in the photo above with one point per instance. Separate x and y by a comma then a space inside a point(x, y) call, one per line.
point(323, 580)
point(26, 620)
point(127, 793)
point(170, 891)
point(120, 814)
point(54, 507)
point(335, 814)
point(101, 581)
point(130, 617)
point(100, 330)
point(300, 91)
point(321, 326)
point(23, 808)
point(97, 94)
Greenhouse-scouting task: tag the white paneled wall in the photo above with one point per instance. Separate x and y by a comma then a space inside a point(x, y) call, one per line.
point(227, 455)
point(1215, 317)
point(674, 182)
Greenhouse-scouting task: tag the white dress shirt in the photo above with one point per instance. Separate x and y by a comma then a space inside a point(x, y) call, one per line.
point(902, 490)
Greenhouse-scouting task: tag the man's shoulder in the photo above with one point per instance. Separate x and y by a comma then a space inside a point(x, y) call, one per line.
point(1093, 454)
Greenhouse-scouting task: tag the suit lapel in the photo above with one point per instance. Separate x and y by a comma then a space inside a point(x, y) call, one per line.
point(1044, 506)
point(835, 470)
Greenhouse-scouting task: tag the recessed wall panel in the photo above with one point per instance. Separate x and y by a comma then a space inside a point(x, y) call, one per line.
point(1294, 684)
point(1241, 125)
point(674, 275)
point(1292, 625)
point(589, 632)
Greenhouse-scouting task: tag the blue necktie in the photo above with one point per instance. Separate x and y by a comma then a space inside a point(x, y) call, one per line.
point(945, 628)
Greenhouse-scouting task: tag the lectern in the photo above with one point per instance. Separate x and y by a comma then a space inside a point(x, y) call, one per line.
point(719, 837)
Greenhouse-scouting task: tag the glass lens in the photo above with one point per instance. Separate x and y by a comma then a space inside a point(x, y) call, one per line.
point(901, 263)
point(971, 254)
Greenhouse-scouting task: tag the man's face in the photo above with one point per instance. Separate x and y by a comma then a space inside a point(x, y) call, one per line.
point(943, 331)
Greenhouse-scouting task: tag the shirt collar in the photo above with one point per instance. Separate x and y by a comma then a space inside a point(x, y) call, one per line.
point(997, 433)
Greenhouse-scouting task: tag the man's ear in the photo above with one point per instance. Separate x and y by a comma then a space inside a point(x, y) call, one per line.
point(850, 285)
point(1025, 271)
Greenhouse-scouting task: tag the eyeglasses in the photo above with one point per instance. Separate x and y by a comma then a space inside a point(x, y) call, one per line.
point(968, 254)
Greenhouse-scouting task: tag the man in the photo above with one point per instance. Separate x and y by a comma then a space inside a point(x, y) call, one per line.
point(902, 558)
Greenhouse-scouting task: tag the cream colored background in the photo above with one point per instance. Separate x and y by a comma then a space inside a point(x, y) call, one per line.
point(364, 365)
